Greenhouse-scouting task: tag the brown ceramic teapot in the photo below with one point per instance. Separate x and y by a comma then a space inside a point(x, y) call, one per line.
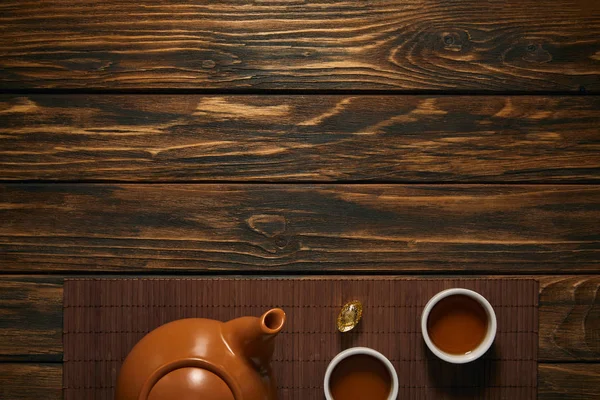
point(203, 359)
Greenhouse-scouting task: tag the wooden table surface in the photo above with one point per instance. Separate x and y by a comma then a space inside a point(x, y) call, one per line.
point(399, 137)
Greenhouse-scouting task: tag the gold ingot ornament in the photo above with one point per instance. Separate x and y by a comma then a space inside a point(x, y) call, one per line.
point(349, 316)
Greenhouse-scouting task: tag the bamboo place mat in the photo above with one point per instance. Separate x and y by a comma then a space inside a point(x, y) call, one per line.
point(104, 318)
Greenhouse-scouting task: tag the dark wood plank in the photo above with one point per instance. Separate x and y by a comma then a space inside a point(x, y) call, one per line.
point(556, 381)
point(31, 326)
point(290, 138)
point(31, 318)
point(31, 381)
point(569, 381)
point(295, 228)
point(569, 318)
point(397, 44)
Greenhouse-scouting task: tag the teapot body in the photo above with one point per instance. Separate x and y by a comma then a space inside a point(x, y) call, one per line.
point(203, 359)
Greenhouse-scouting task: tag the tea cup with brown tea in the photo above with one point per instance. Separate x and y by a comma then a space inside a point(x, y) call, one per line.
point(360, 373)
point(458, 325)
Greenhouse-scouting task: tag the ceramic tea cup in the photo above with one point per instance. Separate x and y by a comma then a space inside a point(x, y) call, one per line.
point(360, 369)
point(458, 325)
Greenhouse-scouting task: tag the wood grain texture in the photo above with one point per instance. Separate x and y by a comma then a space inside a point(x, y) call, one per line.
point(31, 318)
point(568, 318)
point(297, 228)
point(395, 44)
point(569, 381)
point(31, 381)
point(292, 138)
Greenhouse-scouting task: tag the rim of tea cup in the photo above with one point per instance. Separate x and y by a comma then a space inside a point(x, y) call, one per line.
point(483, 346)
point(362, 351)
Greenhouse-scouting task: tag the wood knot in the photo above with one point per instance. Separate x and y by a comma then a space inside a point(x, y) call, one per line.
point(454, 41)
point(208, 64)
point(281, 242)
point(268, 225)
point(536, 53)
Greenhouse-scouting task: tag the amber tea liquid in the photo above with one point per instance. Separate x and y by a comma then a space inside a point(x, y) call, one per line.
point(457, 324)
point(360, 377)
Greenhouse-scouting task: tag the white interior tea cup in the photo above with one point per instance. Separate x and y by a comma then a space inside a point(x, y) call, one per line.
point(361, 351)
point(485, 344)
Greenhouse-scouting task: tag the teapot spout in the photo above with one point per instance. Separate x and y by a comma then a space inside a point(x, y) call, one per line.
point(272, 321)
point(253, 337)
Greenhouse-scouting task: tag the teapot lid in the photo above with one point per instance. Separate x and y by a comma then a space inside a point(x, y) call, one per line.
point(191, 384)
point(190, 378)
